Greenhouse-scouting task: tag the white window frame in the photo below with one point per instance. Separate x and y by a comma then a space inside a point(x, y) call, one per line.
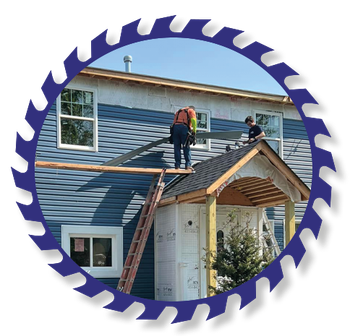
point(83, 231)
point(207, 146)
point(94, 120)
point(280, 139)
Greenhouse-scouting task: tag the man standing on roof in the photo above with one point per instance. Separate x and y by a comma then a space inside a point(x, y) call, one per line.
point(255, 132)
point(185, 121)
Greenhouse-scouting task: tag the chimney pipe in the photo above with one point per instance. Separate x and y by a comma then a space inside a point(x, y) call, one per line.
point(127, 61)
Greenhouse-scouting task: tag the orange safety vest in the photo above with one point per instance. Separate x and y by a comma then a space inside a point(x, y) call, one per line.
point(182, 117)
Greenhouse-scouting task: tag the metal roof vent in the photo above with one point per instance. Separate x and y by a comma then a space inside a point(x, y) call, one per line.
point(127, 61)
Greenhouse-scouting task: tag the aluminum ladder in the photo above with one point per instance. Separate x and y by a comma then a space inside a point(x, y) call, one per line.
point(142, 230)
point(269, 235)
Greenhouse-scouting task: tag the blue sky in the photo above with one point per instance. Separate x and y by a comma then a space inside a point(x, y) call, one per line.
point(194, 61)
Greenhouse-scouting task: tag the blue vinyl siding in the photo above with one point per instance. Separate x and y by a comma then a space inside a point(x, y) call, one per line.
point(297, 155)
point(105, 199)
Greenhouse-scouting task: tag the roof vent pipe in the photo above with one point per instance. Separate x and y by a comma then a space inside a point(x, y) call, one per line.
point(127, 61)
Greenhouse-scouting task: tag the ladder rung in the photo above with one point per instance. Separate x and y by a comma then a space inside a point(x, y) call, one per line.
point(151, 204)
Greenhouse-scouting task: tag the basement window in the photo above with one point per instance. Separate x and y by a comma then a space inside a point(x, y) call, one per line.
point(77, 119)
point(97, 250)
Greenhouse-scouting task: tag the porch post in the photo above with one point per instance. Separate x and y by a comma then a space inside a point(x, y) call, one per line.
point(289, 221)
point(210, 239)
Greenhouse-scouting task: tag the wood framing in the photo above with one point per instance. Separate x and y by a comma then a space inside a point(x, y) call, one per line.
point(232, 170)
point(285, 170)
point(210, 240)
point(250, 190)
point(289, 221)
point(230, 196)
point(108, 169)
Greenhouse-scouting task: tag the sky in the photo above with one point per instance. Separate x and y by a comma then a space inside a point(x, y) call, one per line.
point(193, 61)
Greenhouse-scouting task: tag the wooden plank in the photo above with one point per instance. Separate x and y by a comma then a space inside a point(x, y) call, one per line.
point(244, 179)
point(246, 182)
point(210, 241)
point(230, 196)
point(285, 170)
point(256, 191)
point(271, 203)
point(167, 201)
point(108, 169)
point(270, 198)
point(232, 170)
point(200, 199)
point(266, 193)
point(192, 194)
point(289, 221)
point(261, 183)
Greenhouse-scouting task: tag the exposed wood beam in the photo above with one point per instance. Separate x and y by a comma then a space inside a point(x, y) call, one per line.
point(193, 194)
point(256, 191)
point(271, 198)
point(210, 241)
point(167, 201)
point(289, 221)
point(245, 181)
point(232, 170)
point(252, 186)
point(271, 203)
point(200, 199)
point(271, 194)
point(285, 170)
point(109, 169)
point(259, 188)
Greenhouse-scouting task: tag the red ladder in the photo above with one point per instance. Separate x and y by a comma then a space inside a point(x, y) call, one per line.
point(141, 234)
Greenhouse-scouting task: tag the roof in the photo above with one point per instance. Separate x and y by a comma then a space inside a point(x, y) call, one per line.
point(183, 85)
point(213, 175)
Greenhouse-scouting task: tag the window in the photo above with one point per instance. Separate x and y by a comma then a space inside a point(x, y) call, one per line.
point(77, 119)
point(203, 125)
point(96, 249)
point(271, 123)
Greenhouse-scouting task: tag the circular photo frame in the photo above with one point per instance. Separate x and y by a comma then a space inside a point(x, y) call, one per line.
point(186, 309)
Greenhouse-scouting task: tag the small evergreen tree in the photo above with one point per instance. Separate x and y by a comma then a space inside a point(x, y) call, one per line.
point(239, 257)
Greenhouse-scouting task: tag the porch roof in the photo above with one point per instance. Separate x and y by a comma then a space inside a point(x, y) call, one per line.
point(213, 176)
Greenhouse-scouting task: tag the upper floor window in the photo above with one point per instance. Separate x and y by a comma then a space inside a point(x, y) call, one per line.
point(77, 119)
point(271, 123)
point(203, 125)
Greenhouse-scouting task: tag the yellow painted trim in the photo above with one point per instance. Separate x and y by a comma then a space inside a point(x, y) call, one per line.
point(210, 240)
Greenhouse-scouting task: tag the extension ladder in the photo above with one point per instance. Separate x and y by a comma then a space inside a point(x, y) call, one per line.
point(270, 235)
point(141, 234)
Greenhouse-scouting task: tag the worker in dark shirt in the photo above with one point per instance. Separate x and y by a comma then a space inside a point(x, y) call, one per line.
point(255, 131)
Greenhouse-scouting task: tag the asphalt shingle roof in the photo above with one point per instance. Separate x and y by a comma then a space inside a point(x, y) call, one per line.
point(206, 172)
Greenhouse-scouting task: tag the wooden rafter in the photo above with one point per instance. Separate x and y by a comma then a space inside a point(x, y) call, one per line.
point(285, 170)
point(108, 169)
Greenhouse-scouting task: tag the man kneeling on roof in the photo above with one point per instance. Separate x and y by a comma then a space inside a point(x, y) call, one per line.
point(255, 132)
point(184, 125)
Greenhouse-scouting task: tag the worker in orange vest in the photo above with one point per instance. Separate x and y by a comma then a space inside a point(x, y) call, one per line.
point(184, 125)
